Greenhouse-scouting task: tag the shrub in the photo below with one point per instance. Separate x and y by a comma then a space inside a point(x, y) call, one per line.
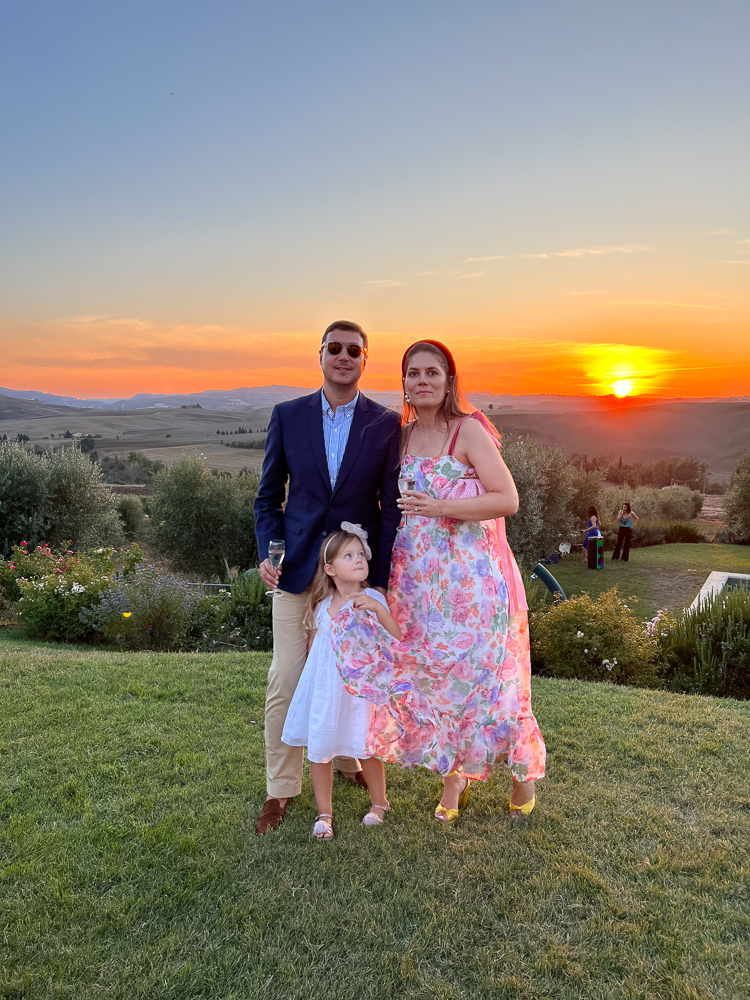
point(142, 610)
point(681, 532)
point(55, 587)
point(737, 499)
point(646, 535)
point(707, 650)
point(677, 503)
point(130, 511)
point(201, 522)
point(248, 613)
point(593, 639)
point(136, 467)
point(728, 537)
point(545, 484)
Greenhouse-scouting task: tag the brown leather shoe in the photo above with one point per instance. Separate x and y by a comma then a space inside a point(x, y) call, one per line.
point(271, 817)
point(354, 778)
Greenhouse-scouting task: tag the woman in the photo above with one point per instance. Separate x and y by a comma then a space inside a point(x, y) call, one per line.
point(457, 688)
point(593, 530)
point(625, 519)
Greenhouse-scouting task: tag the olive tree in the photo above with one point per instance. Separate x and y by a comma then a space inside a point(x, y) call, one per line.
point(23, 488)
point(54, 497)
point(737, 500)
point(546, 489)
point(202, 522)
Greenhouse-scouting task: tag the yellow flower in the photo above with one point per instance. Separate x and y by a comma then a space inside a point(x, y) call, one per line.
point(126, 614)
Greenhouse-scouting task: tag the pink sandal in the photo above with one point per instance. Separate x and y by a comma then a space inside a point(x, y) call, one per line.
point(323, 829)
point(374, 819)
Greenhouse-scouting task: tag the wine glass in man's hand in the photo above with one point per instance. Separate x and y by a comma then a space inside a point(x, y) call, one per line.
point(276, 550)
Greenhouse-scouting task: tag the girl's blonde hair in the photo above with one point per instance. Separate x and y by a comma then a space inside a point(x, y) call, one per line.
point(322, 584)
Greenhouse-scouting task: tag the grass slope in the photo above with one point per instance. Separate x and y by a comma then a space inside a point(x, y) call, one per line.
point(661, 576)
point(128, 788)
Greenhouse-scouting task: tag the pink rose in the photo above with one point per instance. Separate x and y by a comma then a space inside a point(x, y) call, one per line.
point(464, 670)
point(460, 614)
point(456, 595)
point(463, 641)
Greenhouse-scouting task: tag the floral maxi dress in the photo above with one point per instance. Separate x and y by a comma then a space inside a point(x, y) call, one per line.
point(457, 689)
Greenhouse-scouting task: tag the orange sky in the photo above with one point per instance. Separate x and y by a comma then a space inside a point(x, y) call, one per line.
point(98, 356)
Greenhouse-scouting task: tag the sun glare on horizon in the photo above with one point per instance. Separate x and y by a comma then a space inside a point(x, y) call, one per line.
point(623, 387)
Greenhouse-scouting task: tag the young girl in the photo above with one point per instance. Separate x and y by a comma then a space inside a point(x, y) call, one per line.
point(323, 716)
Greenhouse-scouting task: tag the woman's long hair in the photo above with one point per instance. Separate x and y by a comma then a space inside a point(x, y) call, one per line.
point(628, 508)
point(593, 512)
point(455, 403)
point(322, 584)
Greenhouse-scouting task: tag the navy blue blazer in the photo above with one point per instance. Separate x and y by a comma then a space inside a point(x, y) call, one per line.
point(365, 493)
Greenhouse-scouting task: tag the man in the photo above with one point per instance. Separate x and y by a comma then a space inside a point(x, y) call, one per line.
point(339, 454)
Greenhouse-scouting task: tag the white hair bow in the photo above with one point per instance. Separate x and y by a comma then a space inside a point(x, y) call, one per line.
point(359, 531)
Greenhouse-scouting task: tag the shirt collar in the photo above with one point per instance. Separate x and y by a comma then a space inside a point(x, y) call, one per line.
point(347, 409)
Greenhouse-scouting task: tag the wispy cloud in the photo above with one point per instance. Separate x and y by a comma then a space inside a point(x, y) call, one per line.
point(664, 304)
point(589, 251)
point(497, 256)
point(571, 292)
point(720, 232)
point(384, 283)
point(455, 273)
point(472, 274)
point(731, 262)
point(743, 243)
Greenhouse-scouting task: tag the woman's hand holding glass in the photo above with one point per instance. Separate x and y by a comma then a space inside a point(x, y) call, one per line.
point(420, 504)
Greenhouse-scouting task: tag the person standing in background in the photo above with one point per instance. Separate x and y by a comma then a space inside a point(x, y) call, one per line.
point(625, 518)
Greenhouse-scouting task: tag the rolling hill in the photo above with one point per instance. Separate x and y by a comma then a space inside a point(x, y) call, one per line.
point(638, 429)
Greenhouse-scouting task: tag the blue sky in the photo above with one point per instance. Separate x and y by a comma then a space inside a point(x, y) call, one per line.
point(419, 166)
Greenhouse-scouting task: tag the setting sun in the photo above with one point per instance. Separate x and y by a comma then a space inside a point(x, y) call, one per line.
point(623, 386)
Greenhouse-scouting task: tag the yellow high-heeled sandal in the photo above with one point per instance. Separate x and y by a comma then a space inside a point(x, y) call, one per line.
point(524, 810)
point(443, 815)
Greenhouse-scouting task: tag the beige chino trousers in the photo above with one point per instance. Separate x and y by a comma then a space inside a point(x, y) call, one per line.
point(283, 763)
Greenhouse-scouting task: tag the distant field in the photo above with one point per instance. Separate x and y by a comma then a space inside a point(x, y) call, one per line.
point(164, 434)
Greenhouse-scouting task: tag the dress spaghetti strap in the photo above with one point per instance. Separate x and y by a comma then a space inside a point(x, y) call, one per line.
point(455, 436)
point(408, 440)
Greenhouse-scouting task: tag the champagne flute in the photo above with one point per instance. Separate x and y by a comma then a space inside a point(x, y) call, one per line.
point(406, 482)
point(276, 550)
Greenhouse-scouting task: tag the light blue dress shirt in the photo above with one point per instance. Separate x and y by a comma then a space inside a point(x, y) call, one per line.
point(336, 427)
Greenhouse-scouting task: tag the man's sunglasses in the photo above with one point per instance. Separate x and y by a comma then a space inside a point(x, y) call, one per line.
point(353, 350)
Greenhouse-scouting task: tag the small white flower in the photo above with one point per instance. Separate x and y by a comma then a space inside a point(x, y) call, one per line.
point(605, 662)
point(609, 665)
point(614, 661)
point(579, 635)
point(585, 650)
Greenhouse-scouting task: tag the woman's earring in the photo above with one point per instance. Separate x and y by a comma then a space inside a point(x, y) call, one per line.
point(406, 397)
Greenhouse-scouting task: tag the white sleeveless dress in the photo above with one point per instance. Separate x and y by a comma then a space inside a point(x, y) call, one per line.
point(323, 716)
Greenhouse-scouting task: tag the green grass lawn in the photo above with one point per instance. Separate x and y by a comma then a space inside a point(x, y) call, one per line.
point(660, 576)
point(129, 784)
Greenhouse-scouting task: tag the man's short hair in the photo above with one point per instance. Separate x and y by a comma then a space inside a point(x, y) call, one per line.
point(346, 324)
